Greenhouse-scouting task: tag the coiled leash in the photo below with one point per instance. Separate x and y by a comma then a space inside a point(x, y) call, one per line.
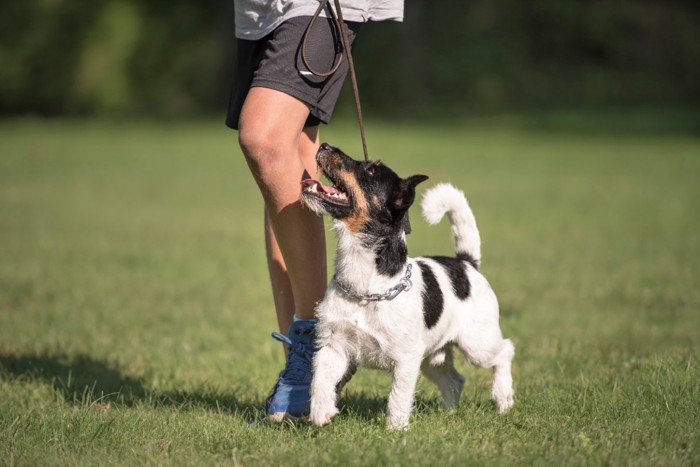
point(337, 21)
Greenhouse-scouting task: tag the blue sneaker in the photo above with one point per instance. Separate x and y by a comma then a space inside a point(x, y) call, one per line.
point(291, 396)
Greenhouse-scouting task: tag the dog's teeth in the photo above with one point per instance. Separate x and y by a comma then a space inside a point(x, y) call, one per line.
point(339, 195)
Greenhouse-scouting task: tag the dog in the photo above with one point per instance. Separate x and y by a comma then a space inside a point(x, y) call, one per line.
point(385, 310)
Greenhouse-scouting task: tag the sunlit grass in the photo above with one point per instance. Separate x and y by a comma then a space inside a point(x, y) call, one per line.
point(135, 310)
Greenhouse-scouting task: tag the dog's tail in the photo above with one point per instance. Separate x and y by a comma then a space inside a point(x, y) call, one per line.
point(446, 199)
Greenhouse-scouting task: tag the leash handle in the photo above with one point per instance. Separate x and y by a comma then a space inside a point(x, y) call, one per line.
point(338, 55)
point(337, 19)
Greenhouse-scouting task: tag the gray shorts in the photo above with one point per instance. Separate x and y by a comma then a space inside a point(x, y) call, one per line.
point(275, 62)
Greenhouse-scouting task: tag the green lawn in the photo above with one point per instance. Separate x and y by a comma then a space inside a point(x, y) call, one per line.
point(135, 312)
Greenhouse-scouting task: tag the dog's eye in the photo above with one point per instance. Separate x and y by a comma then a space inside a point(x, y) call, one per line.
point(370, 170)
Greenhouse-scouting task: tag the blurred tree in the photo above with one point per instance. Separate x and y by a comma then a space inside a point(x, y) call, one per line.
point(40, 47)
point(175, 58)
point(102, 80)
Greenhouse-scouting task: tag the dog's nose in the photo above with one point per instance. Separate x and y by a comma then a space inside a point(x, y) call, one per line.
point(326, 146)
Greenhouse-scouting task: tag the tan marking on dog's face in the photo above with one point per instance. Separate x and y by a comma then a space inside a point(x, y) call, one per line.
point(360, 215)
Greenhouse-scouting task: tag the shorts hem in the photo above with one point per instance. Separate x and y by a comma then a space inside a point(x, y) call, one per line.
point(308, 99)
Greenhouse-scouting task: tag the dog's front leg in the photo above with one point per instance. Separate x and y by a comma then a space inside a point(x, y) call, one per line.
point(403, 389)
point(330, 366)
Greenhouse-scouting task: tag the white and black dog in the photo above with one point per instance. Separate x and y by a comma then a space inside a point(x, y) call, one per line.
point(385, 310)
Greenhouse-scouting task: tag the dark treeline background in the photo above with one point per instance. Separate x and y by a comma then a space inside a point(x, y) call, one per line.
point(175, 58)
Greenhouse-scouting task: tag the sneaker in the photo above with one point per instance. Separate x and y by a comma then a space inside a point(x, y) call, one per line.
point(291, 398)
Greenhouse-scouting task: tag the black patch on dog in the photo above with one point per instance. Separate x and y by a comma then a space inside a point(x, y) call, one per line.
point(464, 256)
point(456, 270)
point(432, 296)
point(391, 256)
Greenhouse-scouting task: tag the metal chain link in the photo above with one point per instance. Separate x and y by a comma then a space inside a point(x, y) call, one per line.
point(404, 284)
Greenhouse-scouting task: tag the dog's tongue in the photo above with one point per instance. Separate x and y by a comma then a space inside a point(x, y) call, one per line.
point(307, 182)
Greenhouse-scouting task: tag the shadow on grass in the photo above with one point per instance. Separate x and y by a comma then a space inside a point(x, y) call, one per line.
point(368, 409)
point(81, 379)
point(362, 407)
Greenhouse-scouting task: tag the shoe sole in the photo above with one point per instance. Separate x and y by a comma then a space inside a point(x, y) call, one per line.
point(279, 417)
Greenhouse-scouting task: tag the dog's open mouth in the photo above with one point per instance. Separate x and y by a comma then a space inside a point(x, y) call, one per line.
point(332, 194)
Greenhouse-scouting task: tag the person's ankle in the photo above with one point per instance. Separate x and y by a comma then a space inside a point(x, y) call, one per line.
point(311, 319)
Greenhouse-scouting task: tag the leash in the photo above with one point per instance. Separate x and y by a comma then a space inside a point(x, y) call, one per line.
point(337, 20)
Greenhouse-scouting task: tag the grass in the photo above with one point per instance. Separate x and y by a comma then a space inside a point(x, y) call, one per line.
point(135, 311)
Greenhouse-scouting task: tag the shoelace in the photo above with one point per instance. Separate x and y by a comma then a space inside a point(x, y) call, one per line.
point(295, 370)
point(300, 356)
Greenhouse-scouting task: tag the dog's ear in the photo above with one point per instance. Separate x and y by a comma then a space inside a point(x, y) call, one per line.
point(407, 192)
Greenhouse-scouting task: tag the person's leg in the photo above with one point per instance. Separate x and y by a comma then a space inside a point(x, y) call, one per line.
point(271, 133)
point(278, 149)
point(279, 277)
point(282, 294)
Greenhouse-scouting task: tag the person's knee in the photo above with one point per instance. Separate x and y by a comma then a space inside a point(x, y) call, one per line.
point(254, 141)
point(260, 149)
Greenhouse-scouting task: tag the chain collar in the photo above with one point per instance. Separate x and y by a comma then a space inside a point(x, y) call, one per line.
point(404, 284)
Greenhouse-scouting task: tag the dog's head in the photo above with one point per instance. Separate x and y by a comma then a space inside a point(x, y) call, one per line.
point(367, 196)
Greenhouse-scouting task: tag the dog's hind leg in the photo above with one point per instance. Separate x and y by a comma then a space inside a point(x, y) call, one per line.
point(447, 379)
point(502, 390)
point(330, 365)
point(497, 354)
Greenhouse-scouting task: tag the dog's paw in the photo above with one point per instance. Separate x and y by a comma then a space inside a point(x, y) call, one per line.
point(504, 404)
point(397, 426)
point(397, 423)
point(320, 417)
